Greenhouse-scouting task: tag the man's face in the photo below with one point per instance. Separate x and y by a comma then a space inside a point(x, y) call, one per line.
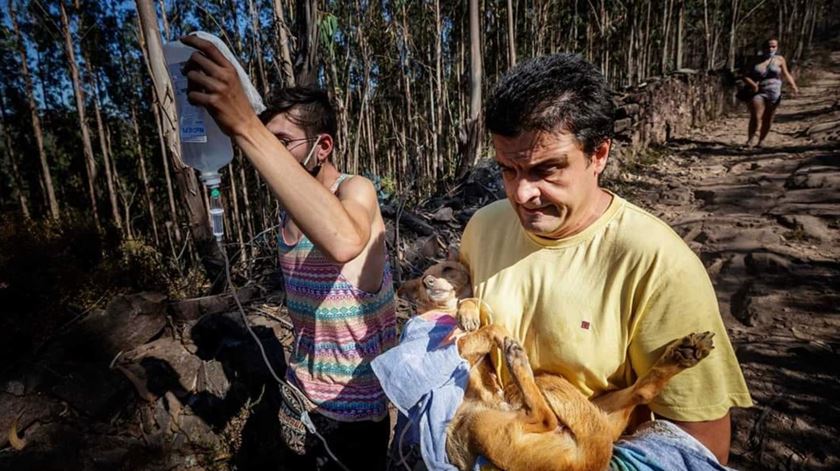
point(549, 181)
point(294, 138)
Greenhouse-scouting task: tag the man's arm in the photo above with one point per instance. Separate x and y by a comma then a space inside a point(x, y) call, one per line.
point(340, 228)
point(714, 434)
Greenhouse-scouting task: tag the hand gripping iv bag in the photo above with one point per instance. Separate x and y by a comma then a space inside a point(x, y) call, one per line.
point(204, 146)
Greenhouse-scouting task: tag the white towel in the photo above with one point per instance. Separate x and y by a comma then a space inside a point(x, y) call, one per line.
point(250, 91)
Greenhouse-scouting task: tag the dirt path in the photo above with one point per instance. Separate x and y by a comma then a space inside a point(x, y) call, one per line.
point(767, 224)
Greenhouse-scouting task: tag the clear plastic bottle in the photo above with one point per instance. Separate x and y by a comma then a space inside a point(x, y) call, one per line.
point(204, 146)
point(217, 213)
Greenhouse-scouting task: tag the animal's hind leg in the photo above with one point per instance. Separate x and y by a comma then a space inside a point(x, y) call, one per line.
point(679, 355)
point(538, 416)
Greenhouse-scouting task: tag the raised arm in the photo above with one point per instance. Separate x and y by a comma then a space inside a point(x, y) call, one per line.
point(338, 227)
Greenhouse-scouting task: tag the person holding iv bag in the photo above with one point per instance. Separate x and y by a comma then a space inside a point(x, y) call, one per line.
point(332, 254)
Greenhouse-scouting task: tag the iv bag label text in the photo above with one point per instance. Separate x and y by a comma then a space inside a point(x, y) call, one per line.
point(191, 121)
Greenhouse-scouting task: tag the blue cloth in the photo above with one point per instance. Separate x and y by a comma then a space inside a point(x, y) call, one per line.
point(662, 446)
point(425, 378)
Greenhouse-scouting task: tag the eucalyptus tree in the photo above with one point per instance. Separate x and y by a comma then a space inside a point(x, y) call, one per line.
point(52, 201)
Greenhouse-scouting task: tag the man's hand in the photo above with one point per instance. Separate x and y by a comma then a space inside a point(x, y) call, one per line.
point(214, 84)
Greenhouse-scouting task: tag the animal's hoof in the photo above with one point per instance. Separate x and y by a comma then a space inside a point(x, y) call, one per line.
point(689, 350)
point(469, 319)
point(514, 353)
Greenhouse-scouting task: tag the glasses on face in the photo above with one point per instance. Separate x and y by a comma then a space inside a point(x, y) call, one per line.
point(286, 141)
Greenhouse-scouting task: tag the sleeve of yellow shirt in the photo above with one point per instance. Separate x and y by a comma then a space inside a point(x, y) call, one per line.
point(682, 301)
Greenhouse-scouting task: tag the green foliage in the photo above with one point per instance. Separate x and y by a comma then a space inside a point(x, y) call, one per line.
point(385, 187)
point(327, 27)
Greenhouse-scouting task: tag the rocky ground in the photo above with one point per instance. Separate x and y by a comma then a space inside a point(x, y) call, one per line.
point(149, 383)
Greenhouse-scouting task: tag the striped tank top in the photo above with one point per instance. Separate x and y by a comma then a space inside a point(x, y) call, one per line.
point(338, 330)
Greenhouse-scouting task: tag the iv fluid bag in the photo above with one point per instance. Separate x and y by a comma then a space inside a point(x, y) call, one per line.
point(204, 146)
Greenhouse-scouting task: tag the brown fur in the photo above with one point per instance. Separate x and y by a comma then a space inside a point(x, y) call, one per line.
point(537, 422)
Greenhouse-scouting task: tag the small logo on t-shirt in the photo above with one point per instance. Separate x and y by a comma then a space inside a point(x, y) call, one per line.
point(584, 325)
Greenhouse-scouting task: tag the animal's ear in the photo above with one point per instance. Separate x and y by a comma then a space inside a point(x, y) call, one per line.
point(409, 289)
point(453, 254)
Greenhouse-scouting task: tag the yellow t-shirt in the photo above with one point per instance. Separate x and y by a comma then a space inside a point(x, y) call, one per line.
point(599, 307)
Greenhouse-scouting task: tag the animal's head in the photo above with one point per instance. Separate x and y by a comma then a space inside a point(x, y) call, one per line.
point(440, 287)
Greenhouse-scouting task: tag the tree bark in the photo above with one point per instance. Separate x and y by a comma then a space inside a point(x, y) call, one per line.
point(440, 157)
point(17, 185)
point(147, 190)
point(122, 191)
point(666, 30)
point(175, 225)
point(78, 93)
point(802, 37)
point(286, 67)
point(167, 34)
point(306, 59)
point(473, 126)
point(707, 37)
point(49, 190)
point(106, 156)
point(139, 151)
point(235, 219)
point(734, 6)
point(405, 71)
point(255, 25)
point(680, 33)
point(511, 35)
point(363, 108)
point(246, 201)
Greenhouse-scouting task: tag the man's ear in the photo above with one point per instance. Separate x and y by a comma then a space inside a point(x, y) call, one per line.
point(325, 147)
point(600, 155)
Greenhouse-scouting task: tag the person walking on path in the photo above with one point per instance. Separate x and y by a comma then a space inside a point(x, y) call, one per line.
point(765, 79)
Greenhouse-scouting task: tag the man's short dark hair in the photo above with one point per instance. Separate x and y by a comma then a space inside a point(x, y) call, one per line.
point(552, 93)
point(313, 111)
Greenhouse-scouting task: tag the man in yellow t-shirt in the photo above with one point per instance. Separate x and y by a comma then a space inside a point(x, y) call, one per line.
point(591, 285)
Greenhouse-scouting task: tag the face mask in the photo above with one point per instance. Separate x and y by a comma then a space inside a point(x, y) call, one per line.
point(316, 168)
point(771, 53)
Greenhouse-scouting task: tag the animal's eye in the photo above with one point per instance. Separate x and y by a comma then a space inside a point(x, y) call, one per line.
point(447, 270)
